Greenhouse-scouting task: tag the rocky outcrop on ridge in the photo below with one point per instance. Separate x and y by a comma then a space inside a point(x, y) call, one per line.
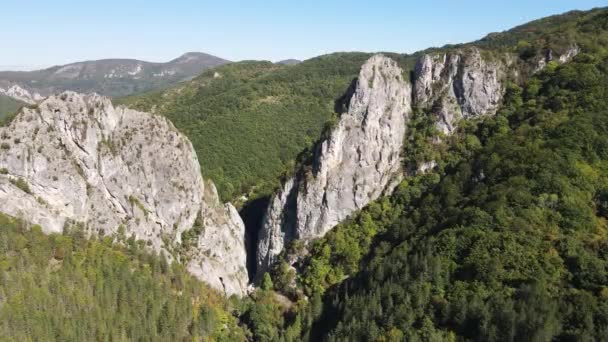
point(465, 84)
point(359, 160)
point(459, 85)
point(75, 160)
point(354, 165)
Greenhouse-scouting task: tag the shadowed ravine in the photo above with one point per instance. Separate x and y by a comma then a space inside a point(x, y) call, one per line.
point(252, 214)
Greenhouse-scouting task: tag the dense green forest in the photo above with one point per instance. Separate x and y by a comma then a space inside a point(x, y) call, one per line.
point(511, 243)
point(65, 287)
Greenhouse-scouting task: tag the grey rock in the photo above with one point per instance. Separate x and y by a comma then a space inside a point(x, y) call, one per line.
point(569, 54)
point(541, 62)
point(357, 163)
point(459, 85)
point(463, 84)
point(77, 160)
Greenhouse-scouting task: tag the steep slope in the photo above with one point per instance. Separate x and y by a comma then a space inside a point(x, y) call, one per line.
point(459, 85)
point(449, 86)
point(508, 243)
point(502, 237)
point(356, 163)
point(64, 287)
point(467, 82)
point(110, 77)
point(75, 160)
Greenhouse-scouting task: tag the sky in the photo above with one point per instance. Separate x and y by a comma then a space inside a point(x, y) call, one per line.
point(41, 33)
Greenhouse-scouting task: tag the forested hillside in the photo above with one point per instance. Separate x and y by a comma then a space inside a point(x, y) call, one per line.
point(510, 244)
point(505, 240)
point(65, 287)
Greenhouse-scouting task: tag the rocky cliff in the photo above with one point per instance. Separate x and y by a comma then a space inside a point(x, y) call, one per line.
point(75, 160)
point(354, 165)
point(466, 83)
point(360, 159)
point(459, 84)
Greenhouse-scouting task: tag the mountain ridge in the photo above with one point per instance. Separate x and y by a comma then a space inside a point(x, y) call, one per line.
point(108, 77)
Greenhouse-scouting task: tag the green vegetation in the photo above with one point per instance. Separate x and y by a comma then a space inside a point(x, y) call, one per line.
point(559, 32)
point(135, 202)
point(64, 287)
point(248, 121)
point(8, 106)
point(505, 240)
point(21, 184)
point(506, 243)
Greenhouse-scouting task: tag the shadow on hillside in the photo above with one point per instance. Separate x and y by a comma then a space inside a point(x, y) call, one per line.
point(253, 214)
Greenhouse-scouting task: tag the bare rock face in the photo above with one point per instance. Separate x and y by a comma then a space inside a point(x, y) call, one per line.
point(77, 160)
point(358, 162)
point(464, 84)
point(220, 256)
point(459, 85)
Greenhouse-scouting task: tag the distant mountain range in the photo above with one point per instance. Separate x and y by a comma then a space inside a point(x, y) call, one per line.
point(110, 77)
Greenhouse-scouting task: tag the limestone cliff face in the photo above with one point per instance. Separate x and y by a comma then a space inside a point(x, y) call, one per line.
point(460, 84)
point(77, 160)
point(220, 256)
point(465, 84)
point(358, 161)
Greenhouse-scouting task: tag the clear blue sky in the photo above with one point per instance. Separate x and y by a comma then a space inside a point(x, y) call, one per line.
point(39, 33)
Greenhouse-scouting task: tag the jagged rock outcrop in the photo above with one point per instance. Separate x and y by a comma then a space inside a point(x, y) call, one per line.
point(77, 160)
point(540, 62)
point(358, 161)
point(220, 256)
point(460, 84)
point(465, 83)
